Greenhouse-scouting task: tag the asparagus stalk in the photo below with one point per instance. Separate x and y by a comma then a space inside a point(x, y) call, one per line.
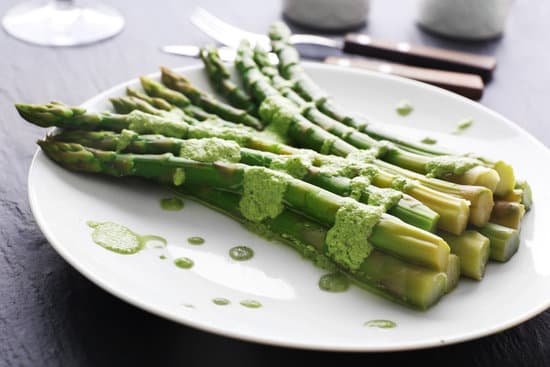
point(380, 273)
point(473, 250)
point(389, 234)
point(508, 214)
point(504, 241)
point(178, 84)
point(289, 65)
point(221, 80)
point(407, 209)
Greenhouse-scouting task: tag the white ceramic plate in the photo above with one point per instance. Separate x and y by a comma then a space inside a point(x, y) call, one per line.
point(295, 312)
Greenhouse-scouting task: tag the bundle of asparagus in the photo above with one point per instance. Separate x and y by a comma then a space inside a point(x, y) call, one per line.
point(401, 220)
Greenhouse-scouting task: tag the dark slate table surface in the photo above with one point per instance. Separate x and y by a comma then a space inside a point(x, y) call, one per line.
point(50, 315)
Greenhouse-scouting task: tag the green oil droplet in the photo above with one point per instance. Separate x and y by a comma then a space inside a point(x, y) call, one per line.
point(195, 240)
point(250, 303)
point(382, 324)
point(221, 301)
point(404, 108)
point(184, 262)
point(241, 253)
point(428, 141)
point(171, 204)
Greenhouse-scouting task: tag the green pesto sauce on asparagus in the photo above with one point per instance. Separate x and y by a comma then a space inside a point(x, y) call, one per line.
point(221, 301)
point(250, 303)
point(382, 324)
point(346, 241)
point(117, 238)
point(428, 140)
point(184, 262)
point(171, 204)
point(404, 108)
point(144, 123)
point(263, 192)
point(125, 138)
point(211, 150)
point(241, 253)
point(295, 165)
point(334, 282)
point(445, 165)
point(195, 240)
point(279, 112)
point(463, 125)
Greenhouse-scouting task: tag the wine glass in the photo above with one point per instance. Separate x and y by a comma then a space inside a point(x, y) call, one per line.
point(62, 22)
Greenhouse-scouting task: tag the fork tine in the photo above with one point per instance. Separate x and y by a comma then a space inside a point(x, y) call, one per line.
point(225, 32)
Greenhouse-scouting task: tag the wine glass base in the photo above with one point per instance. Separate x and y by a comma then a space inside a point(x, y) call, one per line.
point(58, 23)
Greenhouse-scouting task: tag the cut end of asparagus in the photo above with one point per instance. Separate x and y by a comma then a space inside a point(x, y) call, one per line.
point(47, 115)
point(508, 214)
point(527, 194)
point(479, 176)
point(507, 178)
point(504, 241)
point(481, 208)
point(473, 250)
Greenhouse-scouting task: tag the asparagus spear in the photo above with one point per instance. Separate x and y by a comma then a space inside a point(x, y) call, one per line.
point(177, 83)
point(473, 250)
point(406, 208)
point(380, 273)
point(389, 234)
point(464, 170)
point(221, 80)
point(453, 211)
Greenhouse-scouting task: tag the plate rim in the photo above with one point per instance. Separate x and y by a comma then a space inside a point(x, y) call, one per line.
point(250, 337)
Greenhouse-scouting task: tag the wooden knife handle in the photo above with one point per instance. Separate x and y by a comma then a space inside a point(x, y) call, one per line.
point(431, 57)
point(468, 85)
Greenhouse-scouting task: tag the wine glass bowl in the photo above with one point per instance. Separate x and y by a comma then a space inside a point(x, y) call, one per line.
point(62, 22)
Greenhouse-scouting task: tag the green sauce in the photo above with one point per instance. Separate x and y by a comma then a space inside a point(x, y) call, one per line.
point(195, 241)
point(463, 125)
point(171, 204)
point(117, 238)
point(346, 241)
point(162, 257)
point(221, 301)
point(404, 108)
point(428, 140)
point(263, 192)
point(250, 303)
point(241, 253)
point(211, 150)
point(184, 262)
point(334, 282)
point(382, 324)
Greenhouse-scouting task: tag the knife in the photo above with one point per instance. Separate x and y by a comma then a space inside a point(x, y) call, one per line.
point(468, 85)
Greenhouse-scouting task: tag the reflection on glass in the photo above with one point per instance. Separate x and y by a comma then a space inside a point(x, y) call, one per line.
point(62, 22)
